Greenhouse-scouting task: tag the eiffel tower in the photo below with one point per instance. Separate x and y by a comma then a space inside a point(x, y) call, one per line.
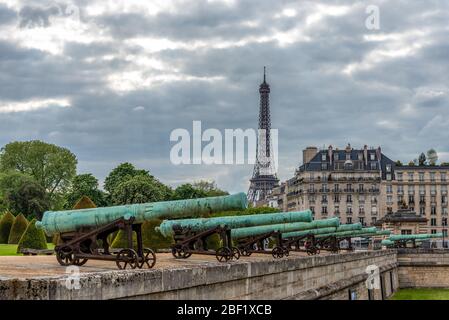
point(264, 177)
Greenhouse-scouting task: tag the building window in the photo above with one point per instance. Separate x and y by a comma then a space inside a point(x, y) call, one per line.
point(433, 210)
point(361, 199)
point(406, 231)
point(324, 210)
point(444, 222)
point(388, 167)
point(373, 220)
point(444, 211)
point(373, 199)
point(336, 156)
point(399, 176)
point(373, 165)
point(410, 176)
point(421, 176)
point(372, 156)
point(323, 157)
point(422, 210)
point(361, 210)
point(312, 209)
point(389, 188)
point(389, 210)
point(324, 166)
point(349, 210)
point(337, 210)
point(411, 189)
point(422, 199)
point(337, 198)
point(349, 198)
point(432, 176)
point(389, 199)
point(373, 210)
point(411, 200)
point(362, 220)
point(445, 233)
point(400, 189)
point(443, 176)
point(433, 222)
point(433, 231)
point(323, 198)
point(388, 176)
point(361, 188)
point(349, 220)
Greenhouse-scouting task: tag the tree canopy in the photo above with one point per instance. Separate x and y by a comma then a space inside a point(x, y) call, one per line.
point(85, 185)
point(51, 166)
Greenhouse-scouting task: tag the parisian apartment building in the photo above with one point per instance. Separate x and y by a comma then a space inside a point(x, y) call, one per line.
point(363, 185)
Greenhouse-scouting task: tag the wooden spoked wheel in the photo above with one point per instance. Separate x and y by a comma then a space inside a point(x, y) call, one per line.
point(148, 259)
point(127, 257)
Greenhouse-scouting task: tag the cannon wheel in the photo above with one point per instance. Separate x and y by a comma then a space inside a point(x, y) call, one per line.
point(64, 255)
point(245, 252)
point(223, 254)
point(235, 253)
point(286, 252)
point(80, 262)
point(125, 257)
point(149, 258)
point(277, 252)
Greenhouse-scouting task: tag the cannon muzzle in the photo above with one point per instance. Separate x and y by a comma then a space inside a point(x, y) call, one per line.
point(71, 220)
point(422, 236)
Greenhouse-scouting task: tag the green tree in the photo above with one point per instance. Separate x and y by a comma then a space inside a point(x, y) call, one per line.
point(52, 167)
point(85, 185)
point(18, 228)
point(5, 226)
point(29, 198)
point(32, 238)
point(398, 163)
point(209, 188)
point(138, 189)
point(127, 171)
point(188, 191)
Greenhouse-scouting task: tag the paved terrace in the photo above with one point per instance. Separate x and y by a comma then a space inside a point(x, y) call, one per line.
point(28, 267)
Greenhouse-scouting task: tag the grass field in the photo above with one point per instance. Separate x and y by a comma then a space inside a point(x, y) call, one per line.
point(10, 249)
point(421, 294)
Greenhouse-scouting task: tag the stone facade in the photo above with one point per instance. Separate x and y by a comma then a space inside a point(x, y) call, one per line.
point(363, 185)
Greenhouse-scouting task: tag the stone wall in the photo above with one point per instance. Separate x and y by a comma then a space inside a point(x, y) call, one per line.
point(425, 268)
point(316, 277)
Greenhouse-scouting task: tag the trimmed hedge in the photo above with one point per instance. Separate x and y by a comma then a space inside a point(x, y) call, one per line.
point(32, 238)
point(84, 203)
point(5, 226)
point(152, 239)
point(18, 228)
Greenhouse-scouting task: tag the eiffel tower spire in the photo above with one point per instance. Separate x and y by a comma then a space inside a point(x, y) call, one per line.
point(264, 177)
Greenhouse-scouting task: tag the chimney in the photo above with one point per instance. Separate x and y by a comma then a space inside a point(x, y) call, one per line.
point(329, 151)
point(308, 154)
point(365, 154)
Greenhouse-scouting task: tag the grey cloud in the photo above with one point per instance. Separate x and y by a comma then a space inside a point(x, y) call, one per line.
point(313, 102)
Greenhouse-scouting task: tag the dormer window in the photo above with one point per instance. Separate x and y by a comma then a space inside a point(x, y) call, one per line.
point(336, 157)
point(360, 156)
point(388, 167)
point(372, 156)
point(323, 157)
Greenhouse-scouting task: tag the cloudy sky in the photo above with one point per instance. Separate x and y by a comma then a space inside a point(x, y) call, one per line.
point(111, 79)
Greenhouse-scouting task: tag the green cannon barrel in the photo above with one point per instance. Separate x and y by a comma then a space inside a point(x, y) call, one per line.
point(284, 227)
point(423, 236)
point(70, 220)
point(386, 242)
point(232, 222)
point(352, 233)
point(349, 227)
point(383, 232)
point(307, 232)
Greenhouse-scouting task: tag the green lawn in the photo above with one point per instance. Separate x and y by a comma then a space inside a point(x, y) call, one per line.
point(421, 294)
point(10, 249)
